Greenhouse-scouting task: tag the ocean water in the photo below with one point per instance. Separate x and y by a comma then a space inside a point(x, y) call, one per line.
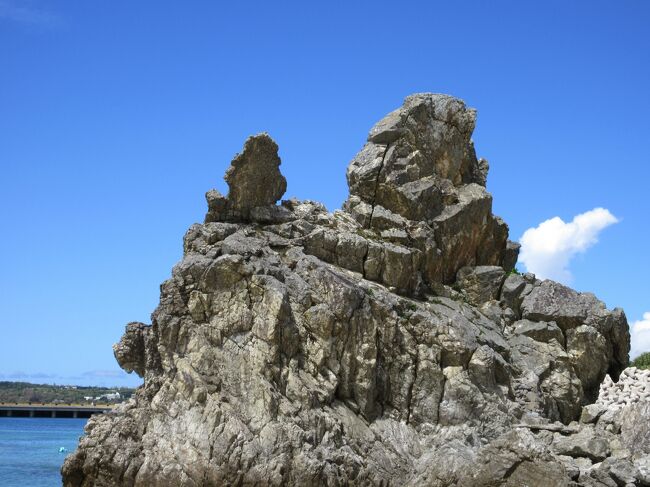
point(29, 449)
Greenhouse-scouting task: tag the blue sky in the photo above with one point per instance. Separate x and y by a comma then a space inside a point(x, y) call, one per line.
point(116, 117)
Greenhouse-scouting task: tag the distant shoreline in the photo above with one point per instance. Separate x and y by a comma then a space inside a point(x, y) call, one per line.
point(28, 394)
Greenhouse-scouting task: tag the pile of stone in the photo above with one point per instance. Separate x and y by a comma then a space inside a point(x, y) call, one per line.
point(632, 387)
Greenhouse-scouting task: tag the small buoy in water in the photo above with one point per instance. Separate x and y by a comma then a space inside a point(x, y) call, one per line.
point(63, 449)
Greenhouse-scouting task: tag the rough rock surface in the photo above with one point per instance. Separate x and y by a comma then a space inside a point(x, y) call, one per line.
point(418, 172)
point(254, 182)
point(385, 344)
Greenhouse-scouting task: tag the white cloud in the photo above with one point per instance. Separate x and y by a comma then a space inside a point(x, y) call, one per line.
point(546, 250)
point(640, 332)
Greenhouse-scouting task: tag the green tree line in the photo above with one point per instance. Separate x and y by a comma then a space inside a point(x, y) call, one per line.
point(24, 392)
point(642, 361)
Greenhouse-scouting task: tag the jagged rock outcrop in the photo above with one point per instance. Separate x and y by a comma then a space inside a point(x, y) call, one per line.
point(385, 344)
point(418, 180)
point(254, 181)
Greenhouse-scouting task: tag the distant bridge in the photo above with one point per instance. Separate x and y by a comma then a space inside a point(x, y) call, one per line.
point(50, 411)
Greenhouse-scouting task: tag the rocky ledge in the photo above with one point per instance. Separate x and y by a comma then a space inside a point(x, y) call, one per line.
point(389, 343)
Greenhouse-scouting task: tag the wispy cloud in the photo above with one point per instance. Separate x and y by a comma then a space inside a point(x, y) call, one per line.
point(20, 375)
point(25, 13)
point(105, 374)
point(547, 250)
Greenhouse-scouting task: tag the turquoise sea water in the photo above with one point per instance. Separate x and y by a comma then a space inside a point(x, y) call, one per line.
point(29, 449)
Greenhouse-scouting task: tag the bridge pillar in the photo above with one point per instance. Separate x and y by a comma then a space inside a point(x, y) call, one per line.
point(31, 413)
point(54, 414)
point(9, 413)
point(75, 414)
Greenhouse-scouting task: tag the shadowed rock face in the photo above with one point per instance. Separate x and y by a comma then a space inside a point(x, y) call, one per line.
point(384, 344)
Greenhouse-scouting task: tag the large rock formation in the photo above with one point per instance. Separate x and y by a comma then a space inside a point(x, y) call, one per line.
point(389, 343)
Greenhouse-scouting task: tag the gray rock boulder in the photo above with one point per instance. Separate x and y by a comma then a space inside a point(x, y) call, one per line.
point(585, 444)
point(591, 413)
point(540, 331)
point(512, 291)
point(254, 182)
point(635, 427)
point(516, 459)
point(590, 331)
point(481, 283)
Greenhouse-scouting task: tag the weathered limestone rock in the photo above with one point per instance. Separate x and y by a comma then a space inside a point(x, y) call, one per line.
point(590, 331)
point(510, 255)
point(516, 459)
point(540, 331)
point(254, 182)
point(134, 352)
point(385, 344)
point(481, 283)
point(583, 444)
point(419, 165)
point(511, 291)
point(634, 424)
point(591, 413)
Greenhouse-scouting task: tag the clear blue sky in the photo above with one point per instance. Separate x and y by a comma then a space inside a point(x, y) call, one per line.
point(116, 117)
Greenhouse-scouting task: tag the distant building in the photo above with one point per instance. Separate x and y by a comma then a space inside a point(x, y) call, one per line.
point(111, 396)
